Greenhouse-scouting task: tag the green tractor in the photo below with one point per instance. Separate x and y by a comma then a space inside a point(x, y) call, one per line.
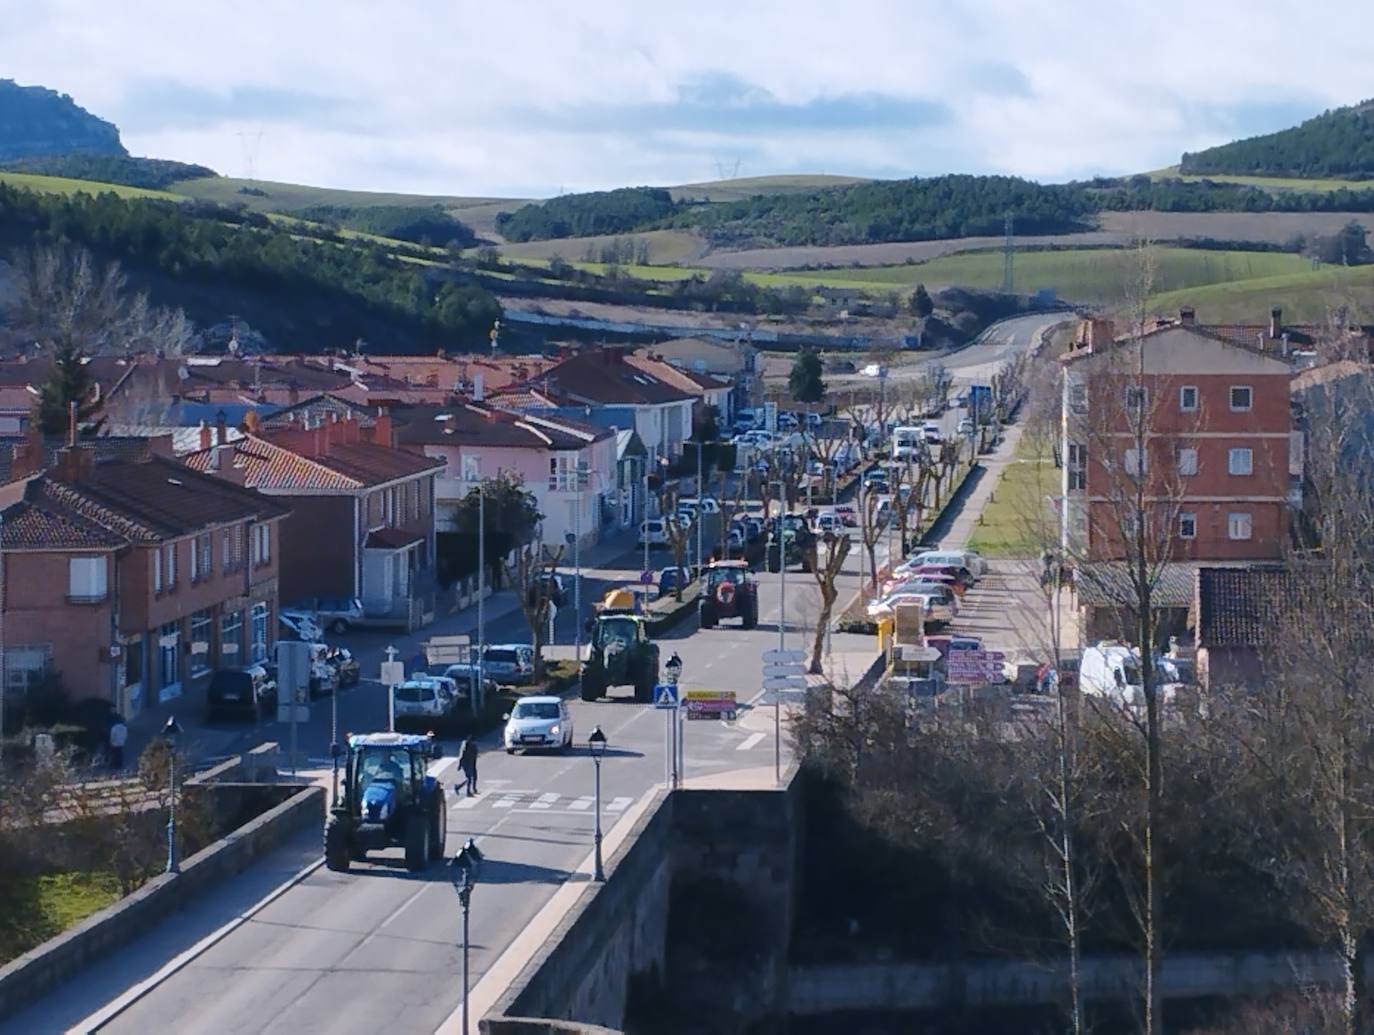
point(620, 654)
point(388, 799)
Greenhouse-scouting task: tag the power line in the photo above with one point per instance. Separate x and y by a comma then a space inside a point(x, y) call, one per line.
point(1007, 281)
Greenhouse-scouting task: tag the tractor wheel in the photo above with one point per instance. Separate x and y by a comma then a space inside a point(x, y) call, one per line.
point(417, 841)
point(591, 687)
point(773, 565)
point(708, 618)
point(438, 826)
point(644, 689)
point(751, 614)
point(336, 850)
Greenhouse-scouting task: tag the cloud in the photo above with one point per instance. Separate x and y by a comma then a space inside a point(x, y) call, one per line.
point(155, 105)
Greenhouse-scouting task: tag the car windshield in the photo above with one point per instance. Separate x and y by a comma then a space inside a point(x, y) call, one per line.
point(1132, 674)
point(231, 681)
point(411, 693)
point(535, 710)
point(381, 765)
point(716, 576)
point(502, 657)
point(612, 629)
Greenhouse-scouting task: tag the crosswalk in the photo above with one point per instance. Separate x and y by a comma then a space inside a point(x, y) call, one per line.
point(499, 796)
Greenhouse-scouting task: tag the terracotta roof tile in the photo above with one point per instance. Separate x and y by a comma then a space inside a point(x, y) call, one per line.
point(1241, 607)
point(345, 468)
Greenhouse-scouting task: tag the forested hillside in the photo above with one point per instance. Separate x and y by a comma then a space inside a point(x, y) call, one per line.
point(419, 225)
point(300, 293)
point(150, 173)
point(587, 215)
point(1337, 144)
point(38, 121)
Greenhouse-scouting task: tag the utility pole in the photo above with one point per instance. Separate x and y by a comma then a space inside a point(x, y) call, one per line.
point(1006, 255)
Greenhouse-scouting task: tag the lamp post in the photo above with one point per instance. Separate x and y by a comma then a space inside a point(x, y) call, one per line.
point(644, 515)
point(701, 509)
point(463, 871)
point(171, 730)
point(596, 743)
point(480, 689)
point(673, 671)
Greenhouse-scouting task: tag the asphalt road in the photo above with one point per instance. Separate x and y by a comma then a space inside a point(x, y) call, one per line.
point(377, 948)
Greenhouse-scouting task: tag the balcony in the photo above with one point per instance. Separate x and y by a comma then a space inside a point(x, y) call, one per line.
point(93, 597)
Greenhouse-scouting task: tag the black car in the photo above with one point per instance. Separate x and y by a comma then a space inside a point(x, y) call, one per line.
point(241, 691)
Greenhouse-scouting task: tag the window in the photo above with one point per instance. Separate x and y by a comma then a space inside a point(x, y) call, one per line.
point(169, 566)
point(472, 468)
point(1137, 398)
point(157, 570)
point(1187, 525)
point(1187, 398)
point(1241, 398)
point(1078, 397)
point(200, 643)
point(25, 669)
point(1240, 461)
point(1238, 525)
point(262, 544)
point(258, 648)
point(1187, 461)
point(169, 660)
point(202, 557)
point(1135, 461)
point(233, 548)
point(86, 579)
point(231, 638)
point(1078, 467)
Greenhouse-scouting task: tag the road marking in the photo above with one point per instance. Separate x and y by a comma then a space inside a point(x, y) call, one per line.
point(466, 802)
point(509, 802)
point(545, 801)
point(403, 906)
point(620, 804)
point(580, 804)
point(749, 741)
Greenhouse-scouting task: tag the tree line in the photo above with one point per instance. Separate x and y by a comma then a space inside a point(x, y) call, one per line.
point(1338, 143)
point(418, 224)
point(149, 173)
point(587, 215)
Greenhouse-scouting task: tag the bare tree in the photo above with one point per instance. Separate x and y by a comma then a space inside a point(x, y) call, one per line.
point(678, 529)
point(870, 530)
point(831, 555)
point(530, 573)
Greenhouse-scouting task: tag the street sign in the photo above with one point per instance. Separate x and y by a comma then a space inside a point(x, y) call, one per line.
point(782, 670)
point(445, 650)
point(785, 683)
point(393, 672)
point(665, 696)
point(962, 655)
point(710, 704)
point(646, 578)
point(784, 655)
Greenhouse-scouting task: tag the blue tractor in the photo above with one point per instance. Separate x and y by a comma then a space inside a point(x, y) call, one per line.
point(387, 799)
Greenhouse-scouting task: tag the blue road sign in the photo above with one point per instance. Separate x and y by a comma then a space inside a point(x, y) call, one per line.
point(665, 696)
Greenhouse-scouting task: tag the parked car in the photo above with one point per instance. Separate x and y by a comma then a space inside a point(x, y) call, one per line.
point(965, 427)
point(299, 626)
point(464, 676)
point(426, 697)
point(847, 514)
point(943, 602)
point(931, 433)
point(538, 722)
point(509, 663)
point(549, 582)
point(653, 532)
point(347, 671)
point(248, 691)
point(970, 559)
point(669, 579)
point(332, 614)
point(324, 677)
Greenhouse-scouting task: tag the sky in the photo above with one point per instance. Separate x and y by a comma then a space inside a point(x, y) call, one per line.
point(523, 98)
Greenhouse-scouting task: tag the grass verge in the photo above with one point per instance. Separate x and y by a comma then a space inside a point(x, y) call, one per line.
point(1018, 516)
point(34, 909)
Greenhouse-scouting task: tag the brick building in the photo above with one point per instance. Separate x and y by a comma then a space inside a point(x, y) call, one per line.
point(1213, 416)
point(362, 510)
point(134, 578)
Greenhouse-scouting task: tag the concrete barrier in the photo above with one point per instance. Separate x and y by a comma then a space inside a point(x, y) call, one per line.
point(42, 969)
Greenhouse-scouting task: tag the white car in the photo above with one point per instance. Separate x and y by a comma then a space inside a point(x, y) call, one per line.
point(931, 433)
point(426, 697)
point(299, 625)
point(970, 559)
point(653, 533)
point(538, 722)
point(966, 426)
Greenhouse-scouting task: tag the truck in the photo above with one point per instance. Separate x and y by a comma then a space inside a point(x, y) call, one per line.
point(979, 403)
point(1111, 670)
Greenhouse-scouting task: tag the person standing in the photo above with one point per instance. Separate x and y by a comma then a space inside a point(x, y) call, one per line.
point(467, 760)
point(119, 736)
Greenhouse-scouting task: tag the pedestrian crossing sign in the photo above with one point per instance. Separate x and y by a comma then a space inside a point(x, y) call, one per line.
point(665, 696)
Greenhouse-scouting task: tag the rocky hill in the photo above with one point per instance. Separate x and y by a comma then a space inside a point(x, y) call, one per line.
point(37, 121)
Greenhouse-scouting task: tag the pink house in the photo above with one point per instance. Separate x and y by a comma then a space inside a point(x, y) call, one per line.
point(478, 441)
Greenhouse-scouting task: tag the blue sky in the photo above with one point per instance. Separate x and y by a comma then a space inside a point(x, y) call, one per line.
point(522, 98)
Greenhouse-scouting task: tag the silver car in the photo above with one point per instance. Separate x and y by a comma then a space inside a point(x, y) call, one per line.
point(509, 663)
point(538, 722)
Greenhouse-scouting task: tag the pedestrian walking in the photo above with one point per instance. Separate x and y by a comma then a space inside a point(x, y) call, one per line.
point(467, 760)
point(119, 736)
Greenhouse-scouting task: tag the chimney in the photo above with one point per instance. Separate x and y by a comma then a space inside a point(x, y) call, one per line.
point(71, 425)
point(221, 430)
point(1098, 332)
point(477, 395)
point(1186, 316)
point(74, 464)
point(293, 394)
point(27, 458)
point(1276, 322)
point(382, 432)
point(205, 441)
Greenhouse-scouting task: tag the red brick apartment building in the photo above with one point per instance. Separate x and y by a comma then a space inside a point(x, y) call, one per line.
point(1218, 436)
point(134, 578)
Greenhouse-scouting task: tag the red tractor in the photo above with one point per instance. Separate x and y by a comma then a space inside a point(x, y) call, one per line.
point(730, 593)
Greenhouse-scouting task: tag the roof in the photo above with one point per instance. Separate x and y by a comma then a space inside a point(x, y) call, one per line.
point(1240, 607)
point(346, 467)
point(1079, 353)
point(606, 376)
point(42, 522)
point(391, 539)
point(402, 740)
point(1110, 584)
point(694, 382)
point(540, 699)
point(475, 424)
point(105, 447)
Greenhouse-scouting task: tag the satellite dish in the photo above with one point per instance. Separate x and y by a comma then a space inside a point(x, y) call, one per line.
point(233, 346)
point(183, 374)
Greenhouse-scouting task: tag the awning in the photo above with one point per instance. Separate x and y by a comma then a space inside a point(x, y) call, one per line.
point(391, 539)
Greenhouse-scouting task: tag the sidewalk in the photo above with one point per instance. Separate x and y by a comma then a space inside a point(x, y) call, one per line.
point(963, 515)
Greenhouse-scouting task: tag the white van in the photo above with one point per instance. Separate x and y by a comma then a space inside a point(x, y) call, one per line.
point(907, 443)
point(1111, 670)
point(970, 559)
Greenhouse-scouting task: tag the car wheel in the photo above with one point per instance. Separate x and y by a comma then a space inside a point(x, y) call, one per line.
point(438, 831)
point(510, 751)
point(338, 627)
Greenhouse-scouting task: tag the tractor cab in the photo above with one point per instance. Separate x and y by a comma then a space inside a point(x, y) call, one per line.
point(729, 592)
point(387, 799)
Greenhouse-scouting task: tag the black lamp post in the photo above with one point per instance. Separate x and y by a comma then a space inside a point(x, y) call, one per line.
point(464, 869)
point(596, 743)
point(171, 730)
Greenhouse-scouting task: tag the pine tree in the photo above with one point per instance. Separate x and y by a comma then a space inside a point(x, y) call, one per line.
point(921, 303)
point(69, 381)
point(804, 382)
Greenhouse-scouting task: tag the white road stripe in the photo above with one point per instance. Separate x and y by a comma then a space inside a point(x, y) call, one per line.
point(585, 802)
point(621, 804)
point(545, 801)
point(507, 802)
point(464, 802)
point(749, 741)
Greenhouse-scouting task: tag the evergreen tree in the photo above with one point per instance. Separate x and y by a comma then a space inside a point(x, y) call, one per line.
point(921, 303)
point(804, 382)
point(69, 381)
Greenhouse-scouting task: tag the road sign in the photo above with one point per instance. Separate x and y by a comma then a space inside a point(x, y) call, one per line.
point(445, 650)
point(710, 704)
point(665, 696)
point(646, 578)
point(963, 669)
point(978, 656)
point(393, 672)
point(784, 655)
point(785, 683)
point(782, 670)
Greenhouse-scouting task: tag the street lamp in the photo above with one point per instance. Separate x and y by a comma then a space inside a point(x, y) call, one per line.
point(672, 730)
point(596, 743)
point(171, 730)
point(673, 668)
point(463, 872)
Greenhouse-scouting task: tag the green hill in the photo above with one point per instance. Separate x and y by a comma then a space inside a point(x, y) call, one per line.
point(1337, 143)
point(37, 121)
point(1305, 297)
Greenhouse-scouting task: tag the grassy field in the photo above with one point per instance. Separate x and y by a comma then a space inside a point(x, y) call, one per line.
point(1305, 297)
point(285, 197)
point(38, 908)
point(1269, 183)
point(1010, 522)
point(748, 186)
point(666, 247)
point(63, 185)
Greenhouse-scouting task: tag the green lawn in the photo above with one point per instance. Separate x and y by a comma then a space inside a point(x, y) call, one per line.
point(34, 909)
point(1017, 520)
point(1305, 296)
point(63, 185)
point(286, 197)
point(1270, 183)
